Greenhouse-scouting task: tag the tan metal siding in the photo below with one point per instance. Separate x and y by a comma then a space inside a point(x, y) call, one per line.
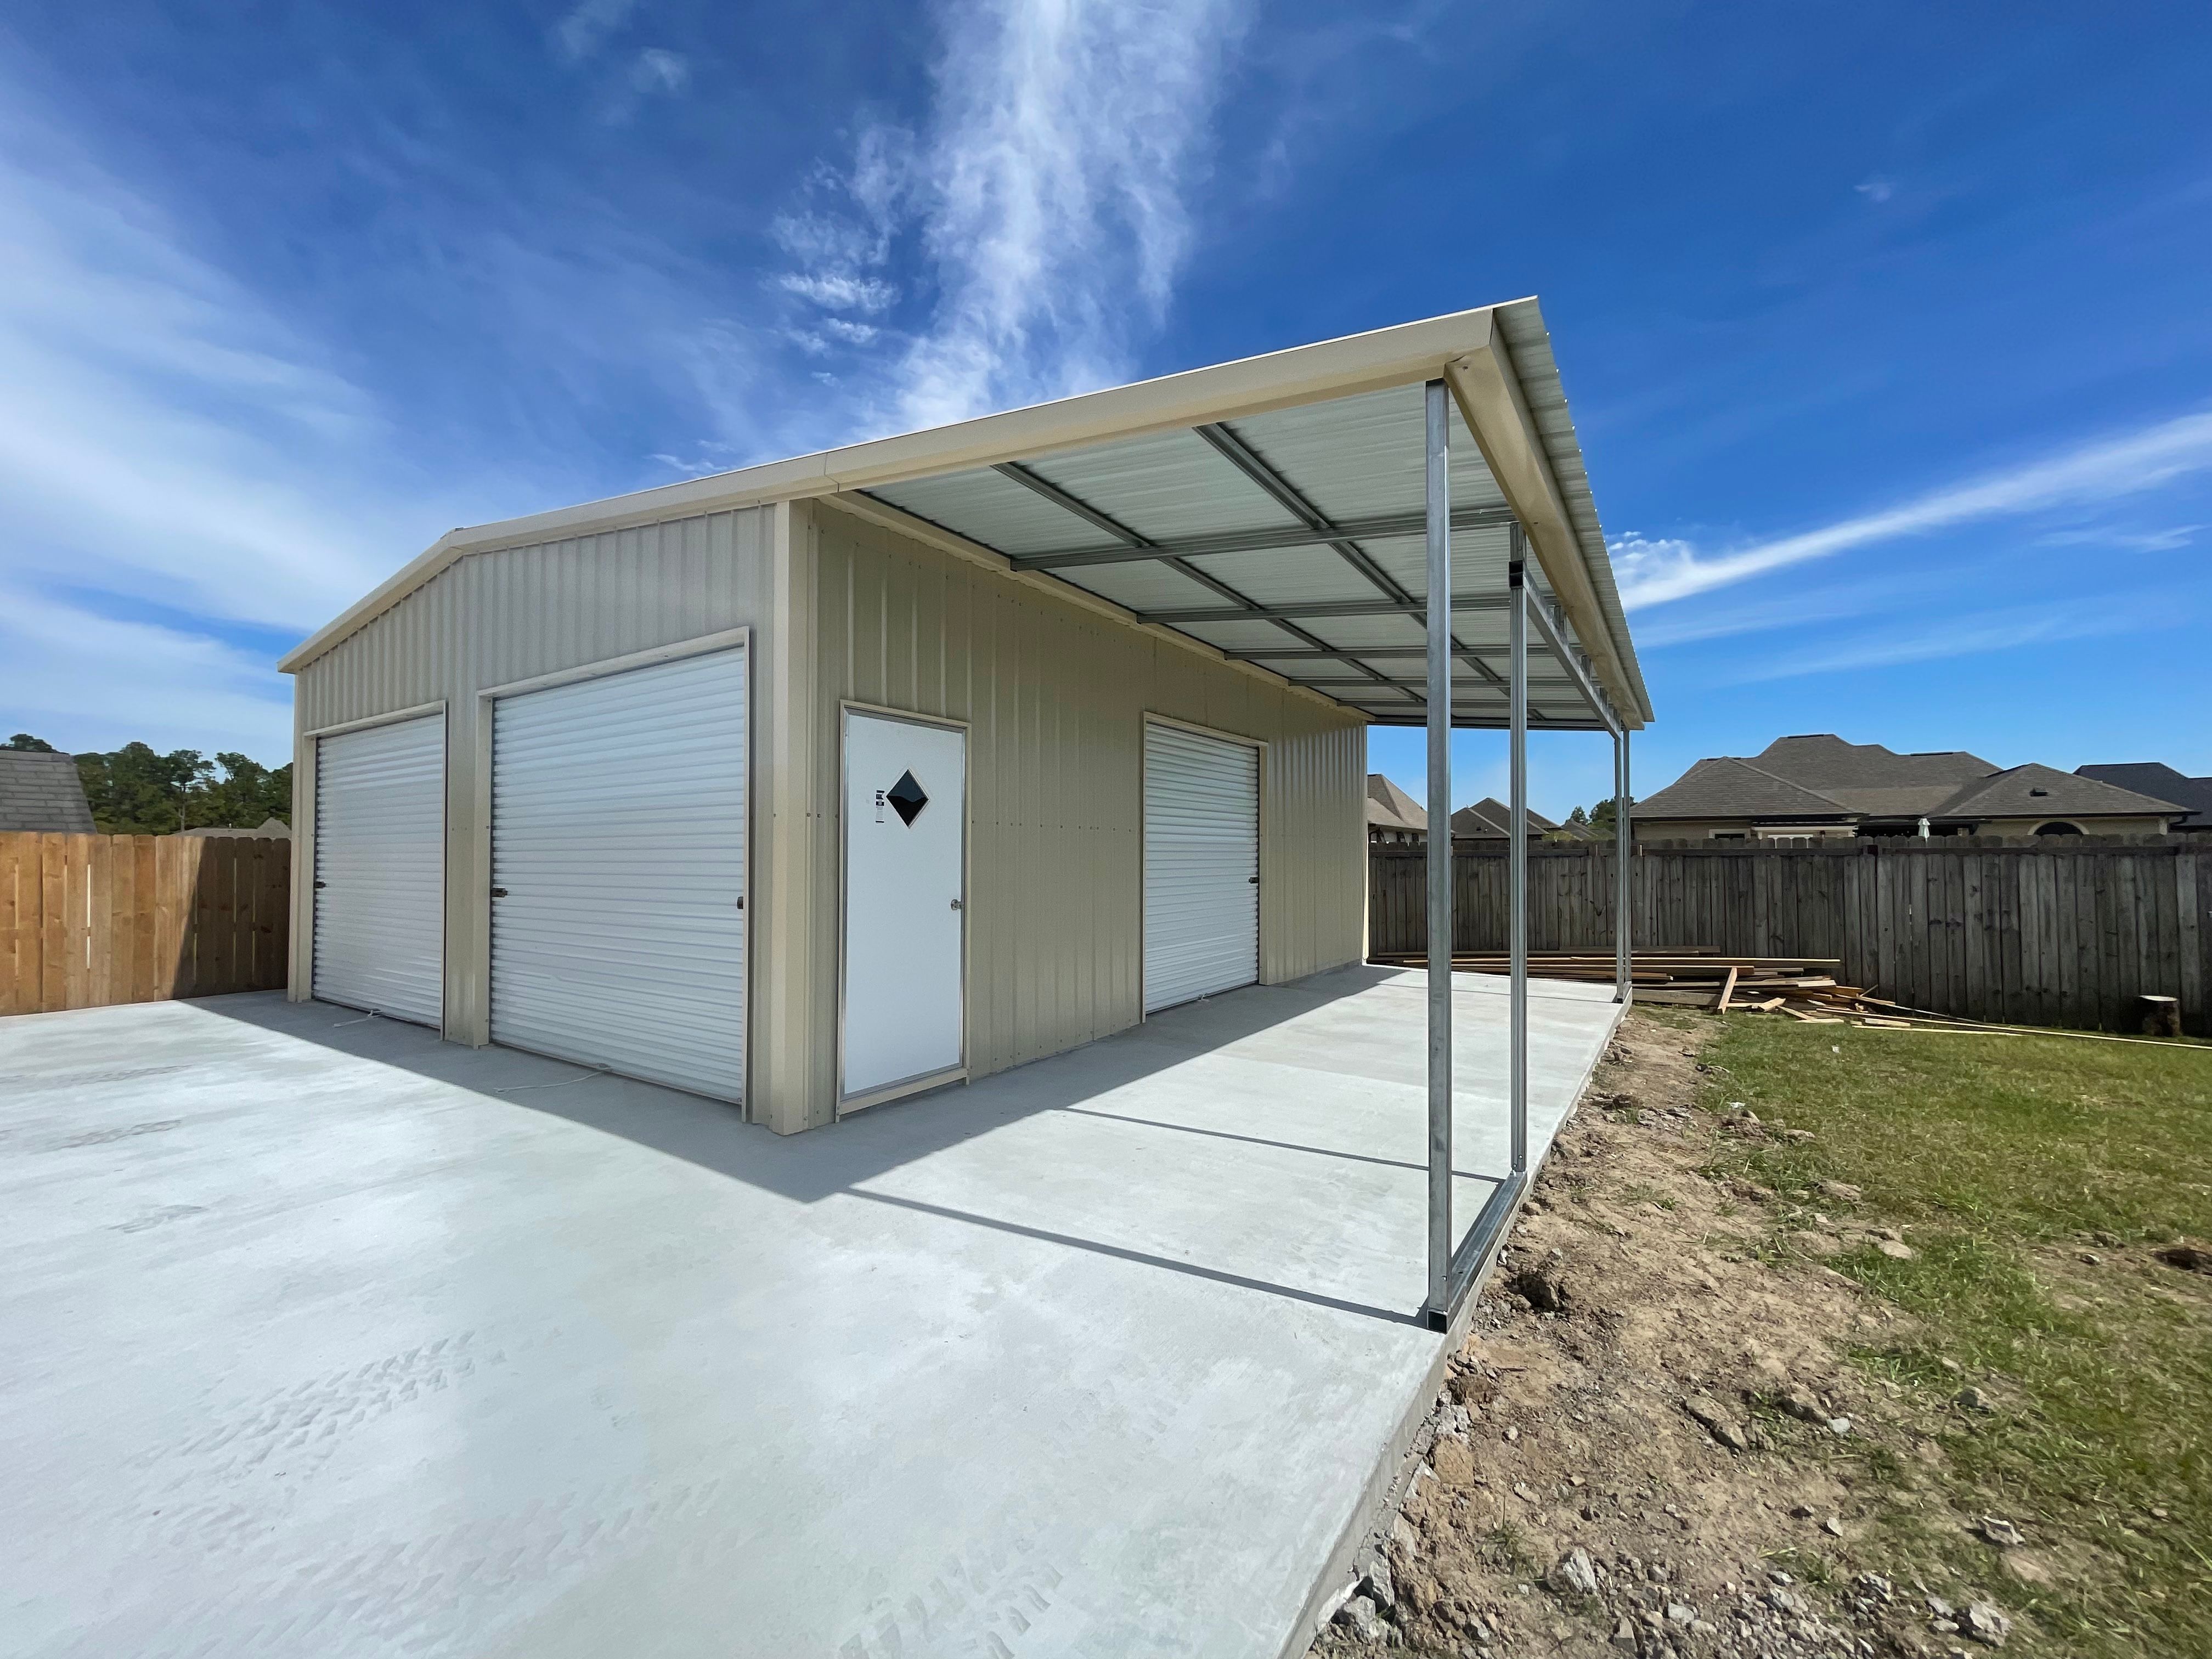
point(1055, 697)
point(496, 617)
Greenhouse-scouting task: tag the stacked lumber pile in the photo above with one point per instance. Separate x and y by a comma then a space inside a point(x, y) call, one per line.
point(1700, 976)
point(1696, 976)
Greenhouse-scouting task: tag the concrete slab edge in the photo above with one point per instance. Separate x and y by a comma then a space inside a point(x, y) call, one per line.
point(1384, 1494)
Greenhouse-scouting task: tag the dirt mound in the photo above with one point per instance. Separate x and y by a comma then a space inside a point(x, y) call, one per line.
point(1647, 1445)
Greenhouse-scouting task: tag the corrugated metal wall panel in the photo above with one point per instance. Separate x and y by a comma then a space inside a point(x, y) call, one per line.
point(1055, 699)
point(618, 859)
point(513, 614)
point(1201, 866)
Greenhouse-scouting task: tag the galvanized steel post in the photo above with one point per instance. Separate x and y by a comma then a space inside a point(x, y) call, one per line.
point(1624, 987)
point(1439, 852)
point(1516, 865)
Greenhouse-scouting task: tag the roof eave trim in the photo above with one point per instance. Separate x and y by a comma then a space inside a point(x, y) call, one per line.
point(1493, 402)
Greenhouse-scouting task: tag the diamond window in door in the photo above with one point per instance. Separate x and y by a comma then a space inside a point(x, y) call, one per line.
point(907, 799)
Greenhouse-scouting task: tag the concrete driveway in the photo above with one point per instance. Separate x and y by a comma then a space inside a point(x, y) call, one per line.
point(327, 1338)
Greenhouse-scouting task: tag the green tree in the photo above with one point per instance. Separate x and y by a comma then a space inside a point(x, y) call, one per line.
point(23, 741)
point(247, 796)
point(133, 790)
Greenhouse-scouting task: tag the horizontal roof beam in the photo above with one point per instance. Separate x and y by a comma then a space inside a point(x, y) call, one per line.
point(1381, 653)
point(1484, 723)
point(1459, 689)
point(1398, 525)
point(1319, 609)
point(1553, 627)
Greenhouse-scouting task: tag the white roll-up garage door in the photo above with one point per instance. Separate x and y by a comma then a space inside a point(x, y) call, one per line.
point(1201, 866)
point(380, 869)
point(619, 872)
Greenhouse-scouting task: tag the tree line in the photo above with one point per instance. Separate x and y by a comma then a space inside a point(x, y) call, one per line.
point(137, 791)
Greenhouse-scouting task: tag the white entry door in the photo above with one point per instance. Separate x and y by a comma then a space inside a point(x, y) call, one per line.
point(906, 834)
point(380, 869)
point(1201, 866)
point(619, 872)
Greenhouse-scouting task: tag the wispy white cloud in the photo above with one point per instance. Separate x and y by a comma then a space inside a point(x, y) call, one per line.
point(2126, 541)
point(1068, 138)
point(1657, 571)
point(585, 27)
point(1788, 612)
point(1047, 202)
point(838, 290)
point(1876, 189)
point(659, 69)
point(1975, 634)
point(83, 681)
point(161, 431)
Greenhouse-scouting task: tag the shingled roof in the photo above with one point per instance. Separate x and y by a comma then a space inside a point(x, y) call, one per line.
point(1389, 807)
point(1489, 817)
point(1819, 775)
point(1865, 777)
point(2160, 782)
point(2044, 791)
point(1725, 787)
point(42, 792)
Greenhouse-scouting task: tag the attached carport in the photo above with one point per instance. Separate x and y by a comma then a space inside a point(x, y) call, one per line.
point(1309, 539)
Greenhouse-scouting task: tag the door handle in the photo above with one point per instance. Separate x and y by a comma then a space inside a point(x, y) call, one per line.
point(322, 884)
point(1253, 880)
point(956, 904)
point(499, 892)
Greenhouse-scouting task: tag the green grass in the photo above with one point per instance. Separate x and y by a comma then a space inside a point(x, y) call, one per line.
point(2003, 1159)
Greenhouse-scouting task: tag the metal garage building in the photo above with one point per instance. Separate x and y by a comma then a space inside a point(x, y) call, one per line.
point(818, 783)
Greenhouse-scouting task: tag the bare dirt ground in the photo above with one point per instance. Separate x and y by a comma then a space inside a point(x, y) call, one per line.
point(1650, 1442)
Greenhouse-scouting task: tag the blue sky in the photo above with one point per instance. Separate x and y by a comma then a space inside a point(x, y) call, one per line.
point(1885, 325)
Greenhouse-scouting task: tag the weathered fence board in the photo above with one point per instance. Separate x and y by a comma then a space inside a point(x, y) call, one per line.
point(86, 921)
point(2043, 934)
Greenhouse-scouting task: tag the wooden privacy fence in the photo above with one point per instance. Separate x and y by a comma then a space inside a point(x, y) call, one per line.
point(2045, 932)
point(86, 921)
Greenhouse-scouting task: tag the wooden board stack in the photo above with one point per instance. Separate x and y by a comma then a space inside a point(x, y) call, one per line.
point(1696, 976)
point(1700, 976)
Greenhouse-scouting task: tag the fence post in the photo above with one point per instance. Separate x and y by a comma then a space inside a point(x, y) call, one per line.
point(2189, 942)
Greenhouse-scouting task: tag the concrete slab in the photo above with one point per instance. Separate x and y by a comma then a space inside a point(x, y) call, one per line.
point(328, 1338)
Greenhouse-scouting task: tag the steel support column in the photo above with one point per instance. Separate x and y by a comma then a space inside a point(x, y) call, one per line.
point(1624, 986)
point(1516, 863)
point(1439, 858)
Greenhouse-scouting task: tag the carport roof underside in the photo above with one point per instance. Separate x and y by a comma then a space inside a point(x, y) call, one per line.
point(1273, 509)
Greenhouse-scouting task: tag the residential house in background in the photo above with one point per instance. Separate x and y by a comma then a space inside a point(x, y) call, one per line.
point(1395, 818)
point(41, 791)
point(2151, 778)
point(1486, 820)
point(1814, 788)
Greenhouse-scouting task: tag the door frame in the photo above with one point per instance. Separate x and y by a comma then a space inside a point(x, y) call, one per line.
point(308, 760)
point(1152, 717)
point(700, 645)
point(847, 708)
